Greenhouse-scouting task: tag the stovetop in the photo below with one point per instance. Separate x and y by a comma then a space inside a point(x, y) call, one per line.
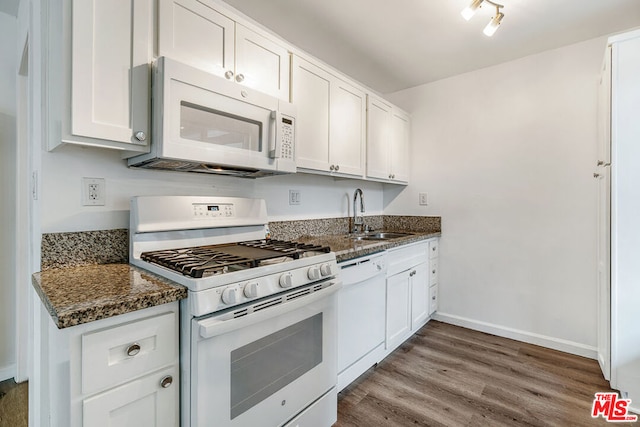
point(212, 260)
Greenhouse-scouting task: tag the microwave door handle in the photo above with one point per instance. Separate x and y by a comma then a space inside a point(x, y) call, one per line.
point(274, 142)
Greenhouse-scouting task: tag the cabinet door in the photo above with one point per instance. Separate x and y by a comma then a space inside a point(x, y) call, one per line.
point(111, 52)
point(261, 63)
point(378, 134)
point(398, 310)
point(604, 110)
point(604, 272)
point(192, 32)
point(348, 132)
point(419, 295)
point(311, 94)
point(143, 402)
point(399, 155)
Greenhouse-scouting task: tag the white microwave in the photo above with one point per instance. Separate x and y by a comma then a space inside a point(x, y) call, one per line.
point(204, 123)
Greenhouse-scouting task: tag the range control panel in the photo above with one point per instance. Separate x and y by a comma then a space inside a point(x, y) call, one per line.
point(219, 210)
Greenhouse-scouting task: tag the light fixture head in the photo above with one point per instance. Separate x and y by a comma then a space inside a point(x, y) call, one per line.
point(493, 25)
point(470, 10)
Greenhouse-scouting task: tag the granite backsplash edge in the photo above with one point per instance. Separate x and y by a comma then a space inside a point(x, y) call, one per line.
point(73, 249)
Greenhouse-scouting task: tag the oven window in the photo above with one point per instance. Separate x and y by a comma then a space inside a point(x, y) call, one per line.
point(215, 127)
point(265, 366)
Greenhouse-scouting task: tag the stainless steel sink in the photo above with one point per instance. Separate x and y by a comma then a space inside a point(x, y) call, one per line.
point(381, 235)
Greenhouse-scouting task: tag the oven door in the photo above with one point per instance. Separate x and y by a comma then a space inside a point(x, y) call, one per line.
point(203, 118)
point(264, 368)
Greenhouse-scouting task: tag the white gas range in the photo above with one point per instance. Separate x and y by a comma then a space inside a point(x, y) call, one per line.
point(258, 329)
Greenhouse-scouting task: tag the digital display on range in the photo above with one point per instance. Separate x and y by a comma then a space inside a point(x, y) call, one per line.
point(287, 121)
point(214, 208)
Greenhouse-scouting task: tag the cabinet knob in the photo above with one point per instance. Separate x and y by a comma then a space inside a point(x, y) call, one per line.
point(595, 174)
point(140, 136)
point(133, 349)
point(239, 78)
point(433, 271)
point(229, 75)
point(337, 167)
point(413, 273)
point(166, 381)
point(332, 167)
point(602, 163)
point(433, 297)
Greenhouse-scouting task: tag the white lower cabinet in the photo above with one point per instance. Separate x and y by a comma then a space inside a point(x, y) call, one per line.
point(148, 401)
point(120, 371)
point(409, 292)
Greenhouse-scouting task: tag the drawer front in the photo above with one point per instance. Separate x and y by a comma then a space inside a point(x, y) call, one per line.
point(433, 299)
point(405, 257)
point(116, 355)
point(434, 248)
point(433, 271)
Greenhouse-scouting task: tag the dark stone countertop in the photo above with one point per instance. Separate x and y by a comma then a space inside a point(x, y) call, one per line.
point(346, 248)
point(77, 295)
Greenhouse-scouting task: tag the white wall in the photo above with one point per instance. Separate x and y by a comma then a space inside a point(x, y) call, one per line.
point(63, 169)
point(506, 155)
point(8, 29)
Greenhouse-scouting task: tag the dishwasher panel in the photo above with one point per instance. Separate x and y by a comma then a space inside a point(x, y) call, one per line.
point(361, 316)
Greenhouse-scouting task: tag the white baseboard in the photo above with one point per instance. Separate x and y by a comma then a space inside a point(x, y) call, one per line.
point(518, 335)
point(7, 372)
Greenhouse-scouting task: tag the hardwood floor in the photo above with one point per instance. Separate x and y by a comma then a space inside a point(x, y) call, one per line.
point(451, 376)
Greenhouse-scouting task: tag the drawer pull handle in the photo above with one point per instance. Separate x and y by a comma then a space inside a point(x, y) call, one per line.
point(133, 349)
point(166, 381)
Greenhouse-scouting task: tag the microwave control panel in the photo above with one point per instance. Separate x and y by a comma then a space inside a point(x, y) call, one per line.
point(286, 137)
point(205, 210)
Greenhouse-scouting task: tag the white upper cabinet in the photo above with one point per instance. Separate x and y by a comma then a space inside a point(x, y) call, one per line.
point(399, 158)
point(331, 121)
point(98, 57)
point(387, 142)
point(195, 33)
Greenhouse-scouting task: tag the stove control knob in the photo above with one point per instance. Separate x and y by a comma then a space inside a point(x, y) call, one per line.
point(313, 273)
point(326, 269)
point(230, 295)
point(286, 280)
point(251, 290)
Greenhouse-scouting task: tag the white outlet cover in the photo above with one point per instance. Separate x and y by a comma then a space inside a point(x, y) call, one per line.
point(93, 192)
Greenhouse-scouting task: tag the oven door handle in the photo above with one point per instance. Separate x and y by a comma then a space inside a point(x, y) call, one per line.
point(213, 326)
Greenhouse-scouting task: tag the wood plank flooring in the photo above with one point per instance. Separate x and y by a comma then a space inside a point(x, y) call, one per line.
point(451, 376)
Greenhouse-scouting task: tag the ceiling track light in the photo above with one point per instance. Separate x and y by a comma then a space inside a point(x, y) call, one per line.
point(493, 25)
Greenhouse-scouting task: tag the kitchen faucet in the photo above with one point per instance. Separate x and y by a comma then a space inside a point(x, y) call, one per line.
point(358, 220)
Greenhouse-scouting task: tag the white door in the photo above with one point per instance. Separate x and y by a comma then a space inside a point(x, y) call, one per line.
point(149, 401)
point(400, 127)
point(419, 295)
point(398, 309)
point(348, 132)
point(261, 63)
point(110, 81)
point(311, 93)
point(378, 135)
point(193, 33)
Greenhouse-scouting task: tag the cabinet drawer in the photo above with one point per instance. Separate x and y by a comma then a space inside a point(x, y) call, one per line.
point(115, 355)
point(434, 248)
point(405, 257)
point(433, 299)
point(433, 271)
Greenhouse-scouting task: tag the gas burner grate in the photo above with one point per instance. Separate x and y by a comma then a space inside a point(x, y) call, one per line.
point(205, 261)
point(286, 246)
point(198, 262)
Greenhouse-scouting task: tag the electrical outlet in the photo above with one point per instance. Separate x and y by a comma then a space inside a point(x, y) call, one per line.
point(422, 199)
point(93, 192)
point(294, 197)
